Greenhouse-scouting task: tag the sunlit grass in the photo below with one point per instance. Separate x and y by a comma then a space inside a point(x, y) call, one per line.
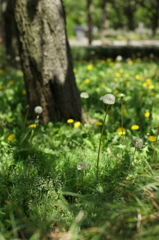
point(49, 174)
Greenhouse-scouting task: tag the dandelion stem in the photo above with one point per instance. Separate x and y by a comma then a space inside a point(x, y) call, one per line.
point(122, 121)
point(26, 116)
point(24, 137)
point(100, 142)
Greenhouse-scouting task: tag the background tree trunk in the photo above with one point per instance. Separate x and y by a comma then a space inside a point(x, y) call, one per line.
point(89, 21)
point(104, 23)
point(9, 34)
point(46, 59)
point(129, 13)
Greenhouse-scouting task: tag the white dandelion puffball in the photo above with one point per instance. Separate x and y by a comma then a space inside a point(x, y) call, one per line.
point(108, 99)
point(84, 95)
point(38, 109)
point(113, 85)
point(81, 166)
point(122, 95)
point(138, 142)
point(119, 58)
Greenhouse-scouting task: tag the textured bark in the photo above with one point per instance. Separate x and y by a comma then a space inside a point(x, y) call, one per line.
point(9, 34)
point(46, 59)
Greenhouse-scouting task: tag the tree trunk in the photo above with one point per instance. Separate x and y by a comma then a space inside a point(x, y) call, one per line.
point(129, 12)
point(104, 23)
point(46, 60)
point(9, 34)
point(89, 21)
point(154, 23)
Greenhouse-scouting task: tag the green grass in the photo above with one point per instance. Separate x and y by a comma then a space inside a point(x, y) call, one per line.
point(41, 185)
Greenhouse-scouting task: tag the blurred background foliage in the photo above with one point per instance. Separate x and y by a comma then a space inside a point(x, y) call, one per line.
point(121, 14)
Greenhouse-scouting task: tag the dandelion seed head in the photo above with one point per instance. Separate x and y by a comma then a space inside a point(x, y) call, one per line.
point(122, 95)
point(38, 109)
point(138, 142)
point(108, 99)
point(113, 85)
point(82, 166)
point(84, 95)
point(119, 58)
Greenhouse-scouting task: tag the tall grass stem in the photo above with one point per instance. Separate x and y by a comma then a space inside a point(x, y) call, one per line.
point(100, 142)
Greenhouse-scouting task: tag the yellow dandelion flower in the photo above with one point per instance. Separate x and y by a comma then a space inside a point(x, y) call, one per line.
point(151, 87)
point(121, 131)
point(1, 87)
point(74, 70)
point(127, 82)
point(121, 70)
point(116, 79)
point(138, 59)
point(147, 114)
point(11, 82)
point(70, 121)
point(1, 71)
point(32, 126)
point(117, 75)
point(89, 67)
point(98, 123)
point(130, 62)
point(148, 81)
point(152, 138)
point(77, 124)
point(123, 111)
point(144, 84)
point(102, 61)
point(11, 137)
point(137, 76)
point(87, 80)
point(127, 75)
point(109, 59)
point(153, 94)
point(135, 127)
point(116, 91)
point(24, 92)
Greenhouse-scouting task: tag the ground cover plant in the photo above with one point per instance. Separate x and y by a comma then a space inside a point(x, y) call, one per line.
point(92, 180)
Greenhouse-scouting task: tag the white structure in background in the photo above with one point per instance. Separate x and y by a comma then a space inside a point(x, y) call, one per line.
point(141, 29)
point(81, 32)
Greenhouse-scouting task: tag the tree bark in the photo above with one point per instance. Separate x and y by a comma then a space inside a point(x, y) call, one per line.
point(46, 60)
point(9, 34)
